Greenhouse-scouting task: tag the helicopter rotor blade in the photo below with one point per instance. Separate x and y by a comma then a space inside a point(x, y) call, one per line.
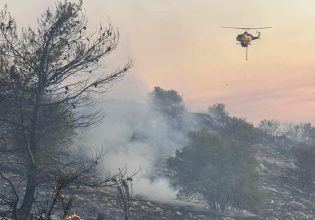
point(244, 28)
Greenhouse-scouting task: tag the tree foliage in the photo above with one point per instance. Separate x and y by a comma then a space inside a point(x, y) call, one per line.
point(270, 127)
point(301, 133)
point(170, 104)
point(240, 130)
point(223, 172)
point(233, 128)
point(219, 111)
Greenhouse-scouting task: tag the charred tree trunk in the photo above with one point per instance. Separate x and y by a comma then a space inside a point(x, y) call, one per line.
point(31, 181)
point(28, 199)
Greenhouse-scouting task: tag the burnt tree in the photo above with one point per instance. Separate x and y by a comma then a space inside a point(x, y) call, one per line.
point(47, 74)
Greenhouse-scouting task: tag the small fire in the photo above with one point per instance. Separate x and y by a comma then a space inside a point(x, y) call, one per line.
point(74, 217)
point(55, 192)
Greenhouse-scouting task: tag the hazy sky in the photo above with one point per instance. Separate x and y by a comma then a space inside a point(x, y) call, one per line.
point(178, 44)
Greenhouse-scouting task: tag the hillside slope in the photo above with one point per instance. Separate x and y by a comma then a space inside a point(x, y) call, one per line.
point(285, 198)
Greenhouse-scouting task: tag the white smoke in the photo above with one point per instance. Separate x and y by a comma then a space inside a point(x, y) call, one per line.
point(135, 137)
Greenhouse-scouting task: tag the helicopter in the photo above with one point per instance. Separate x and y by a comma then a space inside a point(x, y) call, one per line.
point(246, 38)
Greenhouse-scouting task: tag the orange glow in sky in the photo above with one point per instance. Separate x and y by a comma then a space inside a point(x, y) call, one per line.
point(180, 45)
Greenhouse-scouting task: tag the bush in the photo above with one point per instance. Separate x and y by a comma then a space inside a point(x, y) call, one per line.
point(305, 162)
point(221, 171)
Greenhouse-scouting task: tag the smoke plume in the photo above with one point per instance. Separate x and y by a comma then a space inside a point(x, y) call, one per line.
point(134, 136)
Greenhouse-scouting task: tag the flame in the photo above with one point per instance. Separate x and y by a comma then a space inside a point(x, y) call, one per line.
point(74, 217)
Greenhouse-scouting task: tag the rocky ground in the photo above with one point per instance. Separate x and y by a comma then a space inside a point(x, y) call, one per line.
point(107, 204)
point(285, 199)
